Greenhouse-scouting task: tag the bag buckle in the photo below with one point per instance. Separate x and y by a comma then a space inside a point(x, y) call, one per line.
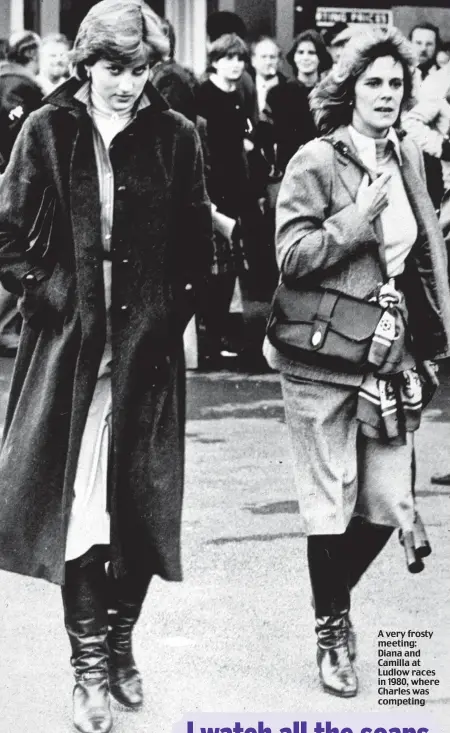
point(322, 319)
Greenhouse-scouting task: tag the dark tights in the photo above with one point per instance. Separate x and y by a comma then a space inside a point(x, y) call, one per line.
point(337, 562)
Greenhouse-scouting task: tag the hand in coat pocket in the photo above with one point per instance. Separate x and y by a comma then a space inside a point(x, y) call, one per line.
point(50, 300)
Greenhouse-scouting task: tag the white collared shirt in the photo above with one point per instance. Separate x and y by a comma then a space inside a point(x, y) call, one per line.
point(262, 88)
point(398, 222)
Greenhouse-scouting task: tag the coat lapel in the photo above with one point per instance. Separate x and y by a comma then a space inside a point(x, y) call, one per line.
point(349, 170)
point(86, 222)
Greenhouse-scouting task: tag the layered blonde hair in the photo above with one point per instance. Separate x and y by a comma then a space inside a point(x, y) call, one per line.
point(123, 31)
point(332, 99)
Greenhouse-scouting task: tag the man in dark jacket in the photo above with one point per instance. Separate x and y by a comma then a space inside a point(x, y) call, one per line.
point(20, 94)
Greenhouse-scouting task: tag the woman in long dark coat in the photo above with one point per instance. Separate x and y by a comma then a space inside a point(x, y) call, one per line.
point(105, 229)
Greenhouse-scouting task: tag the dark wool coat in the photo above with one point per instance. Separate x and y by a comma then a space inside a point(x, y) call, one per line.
point(161, 244)
point(287, 106)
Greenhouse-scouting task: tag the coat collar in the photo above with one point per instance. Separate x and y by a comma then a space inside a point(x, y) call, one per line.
point(64, 96)
point(349, 161)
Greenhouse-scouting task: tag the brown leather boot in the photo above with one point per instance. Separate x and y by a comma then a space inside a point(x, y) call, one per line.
point(86, 621)
point(335, 668)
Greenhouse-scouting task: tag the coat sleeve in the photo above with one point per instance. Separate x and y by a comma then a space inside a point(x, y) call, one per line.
point(22, 188)
point(196, 222)
point(308, 238)
point(422, 125)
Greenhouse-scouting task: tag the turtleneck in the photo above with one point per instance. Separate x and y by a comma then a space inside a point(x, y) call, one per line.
point(398, 223)
point(108, 122)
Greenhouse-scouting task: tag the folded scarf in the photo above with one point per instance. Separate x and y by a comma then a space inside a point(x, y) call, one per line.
point(387, 409)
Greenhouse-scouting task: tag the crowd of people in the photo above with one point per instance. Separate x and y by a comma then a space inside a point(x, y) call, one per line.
point(252, 110)
point(125, 210)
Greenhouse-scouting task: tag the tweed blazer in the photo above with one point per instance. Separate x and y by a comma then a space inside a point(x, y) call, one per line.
point(322, 239)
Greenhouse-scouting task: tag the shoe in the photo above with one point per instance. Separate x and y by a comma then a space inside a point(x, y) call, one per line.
point(91, 706)
point(442, 480)
point(86, 621)
point(336, 671)
point(126, 599)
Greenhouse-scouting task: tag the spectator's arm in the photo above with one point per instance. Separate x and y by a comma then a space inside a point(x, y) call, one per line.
point(421, 124)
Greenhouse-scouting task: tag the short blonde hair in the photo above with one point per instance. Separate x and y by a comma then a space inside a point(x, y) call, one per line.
point(332, 99)
point(119, 30)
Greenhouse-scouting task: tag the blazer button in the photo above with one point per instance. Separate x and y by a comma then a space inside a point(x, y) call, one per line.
point(123, 308)
point(125, 261)
point(121, 188)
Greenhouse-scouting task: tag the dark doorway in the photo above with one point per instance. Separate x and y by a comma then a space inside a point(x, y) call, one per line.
point(32, 15)
point(72, 13)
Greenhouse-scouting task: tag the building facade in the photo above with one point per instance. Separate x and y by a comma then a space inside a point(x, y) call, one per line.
point(281, 19)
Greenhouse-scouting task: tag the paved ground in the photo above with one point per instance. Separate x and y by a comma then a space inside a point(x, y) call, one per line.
point(237, 635)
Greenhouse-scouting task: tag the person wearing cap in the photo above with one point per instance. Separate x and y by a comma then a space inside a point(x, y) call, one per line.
point(105, 231)
point(333, 42)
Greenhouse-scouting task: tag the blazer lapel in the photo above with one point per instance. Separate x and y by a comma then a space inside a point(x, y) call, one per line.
point(350, 170)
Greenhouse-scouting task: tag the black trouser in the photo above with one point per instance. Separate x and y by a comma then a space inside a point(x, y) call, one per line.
point(214, 299)
point(337, 562)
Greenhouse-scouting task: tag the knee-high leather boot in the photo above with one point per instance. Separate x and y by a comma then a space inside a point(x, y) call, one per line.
point(364, 543)
point(86, 621)
point(326, 559)
point(126, 596)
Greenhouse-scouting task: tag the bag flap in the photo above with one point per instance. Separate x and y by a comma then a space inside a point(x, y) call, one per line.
point(352, 318)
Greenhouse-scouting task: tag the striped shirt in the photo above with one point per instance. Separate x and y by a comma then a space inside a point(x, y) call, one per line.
point(103, 135)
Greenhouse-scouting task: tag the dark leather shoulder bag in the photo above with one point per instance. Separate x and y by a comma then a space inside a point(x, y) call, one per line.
point(323, 327)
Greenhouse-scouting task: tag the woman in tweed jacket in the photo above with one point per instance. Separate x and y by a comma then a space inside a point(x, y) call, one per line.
point(347, 201)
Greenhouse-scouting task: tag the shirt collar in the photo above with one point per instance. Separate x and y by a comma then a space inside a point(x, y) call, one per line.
point(83, 95)
point(266, 83)
point(365, 145)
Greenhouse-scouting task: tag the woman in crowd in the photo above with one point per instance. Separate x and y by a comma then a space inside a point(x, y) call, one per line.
point(287, 104)
point(353, 211)
point(105, 227)
point(227, 130)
